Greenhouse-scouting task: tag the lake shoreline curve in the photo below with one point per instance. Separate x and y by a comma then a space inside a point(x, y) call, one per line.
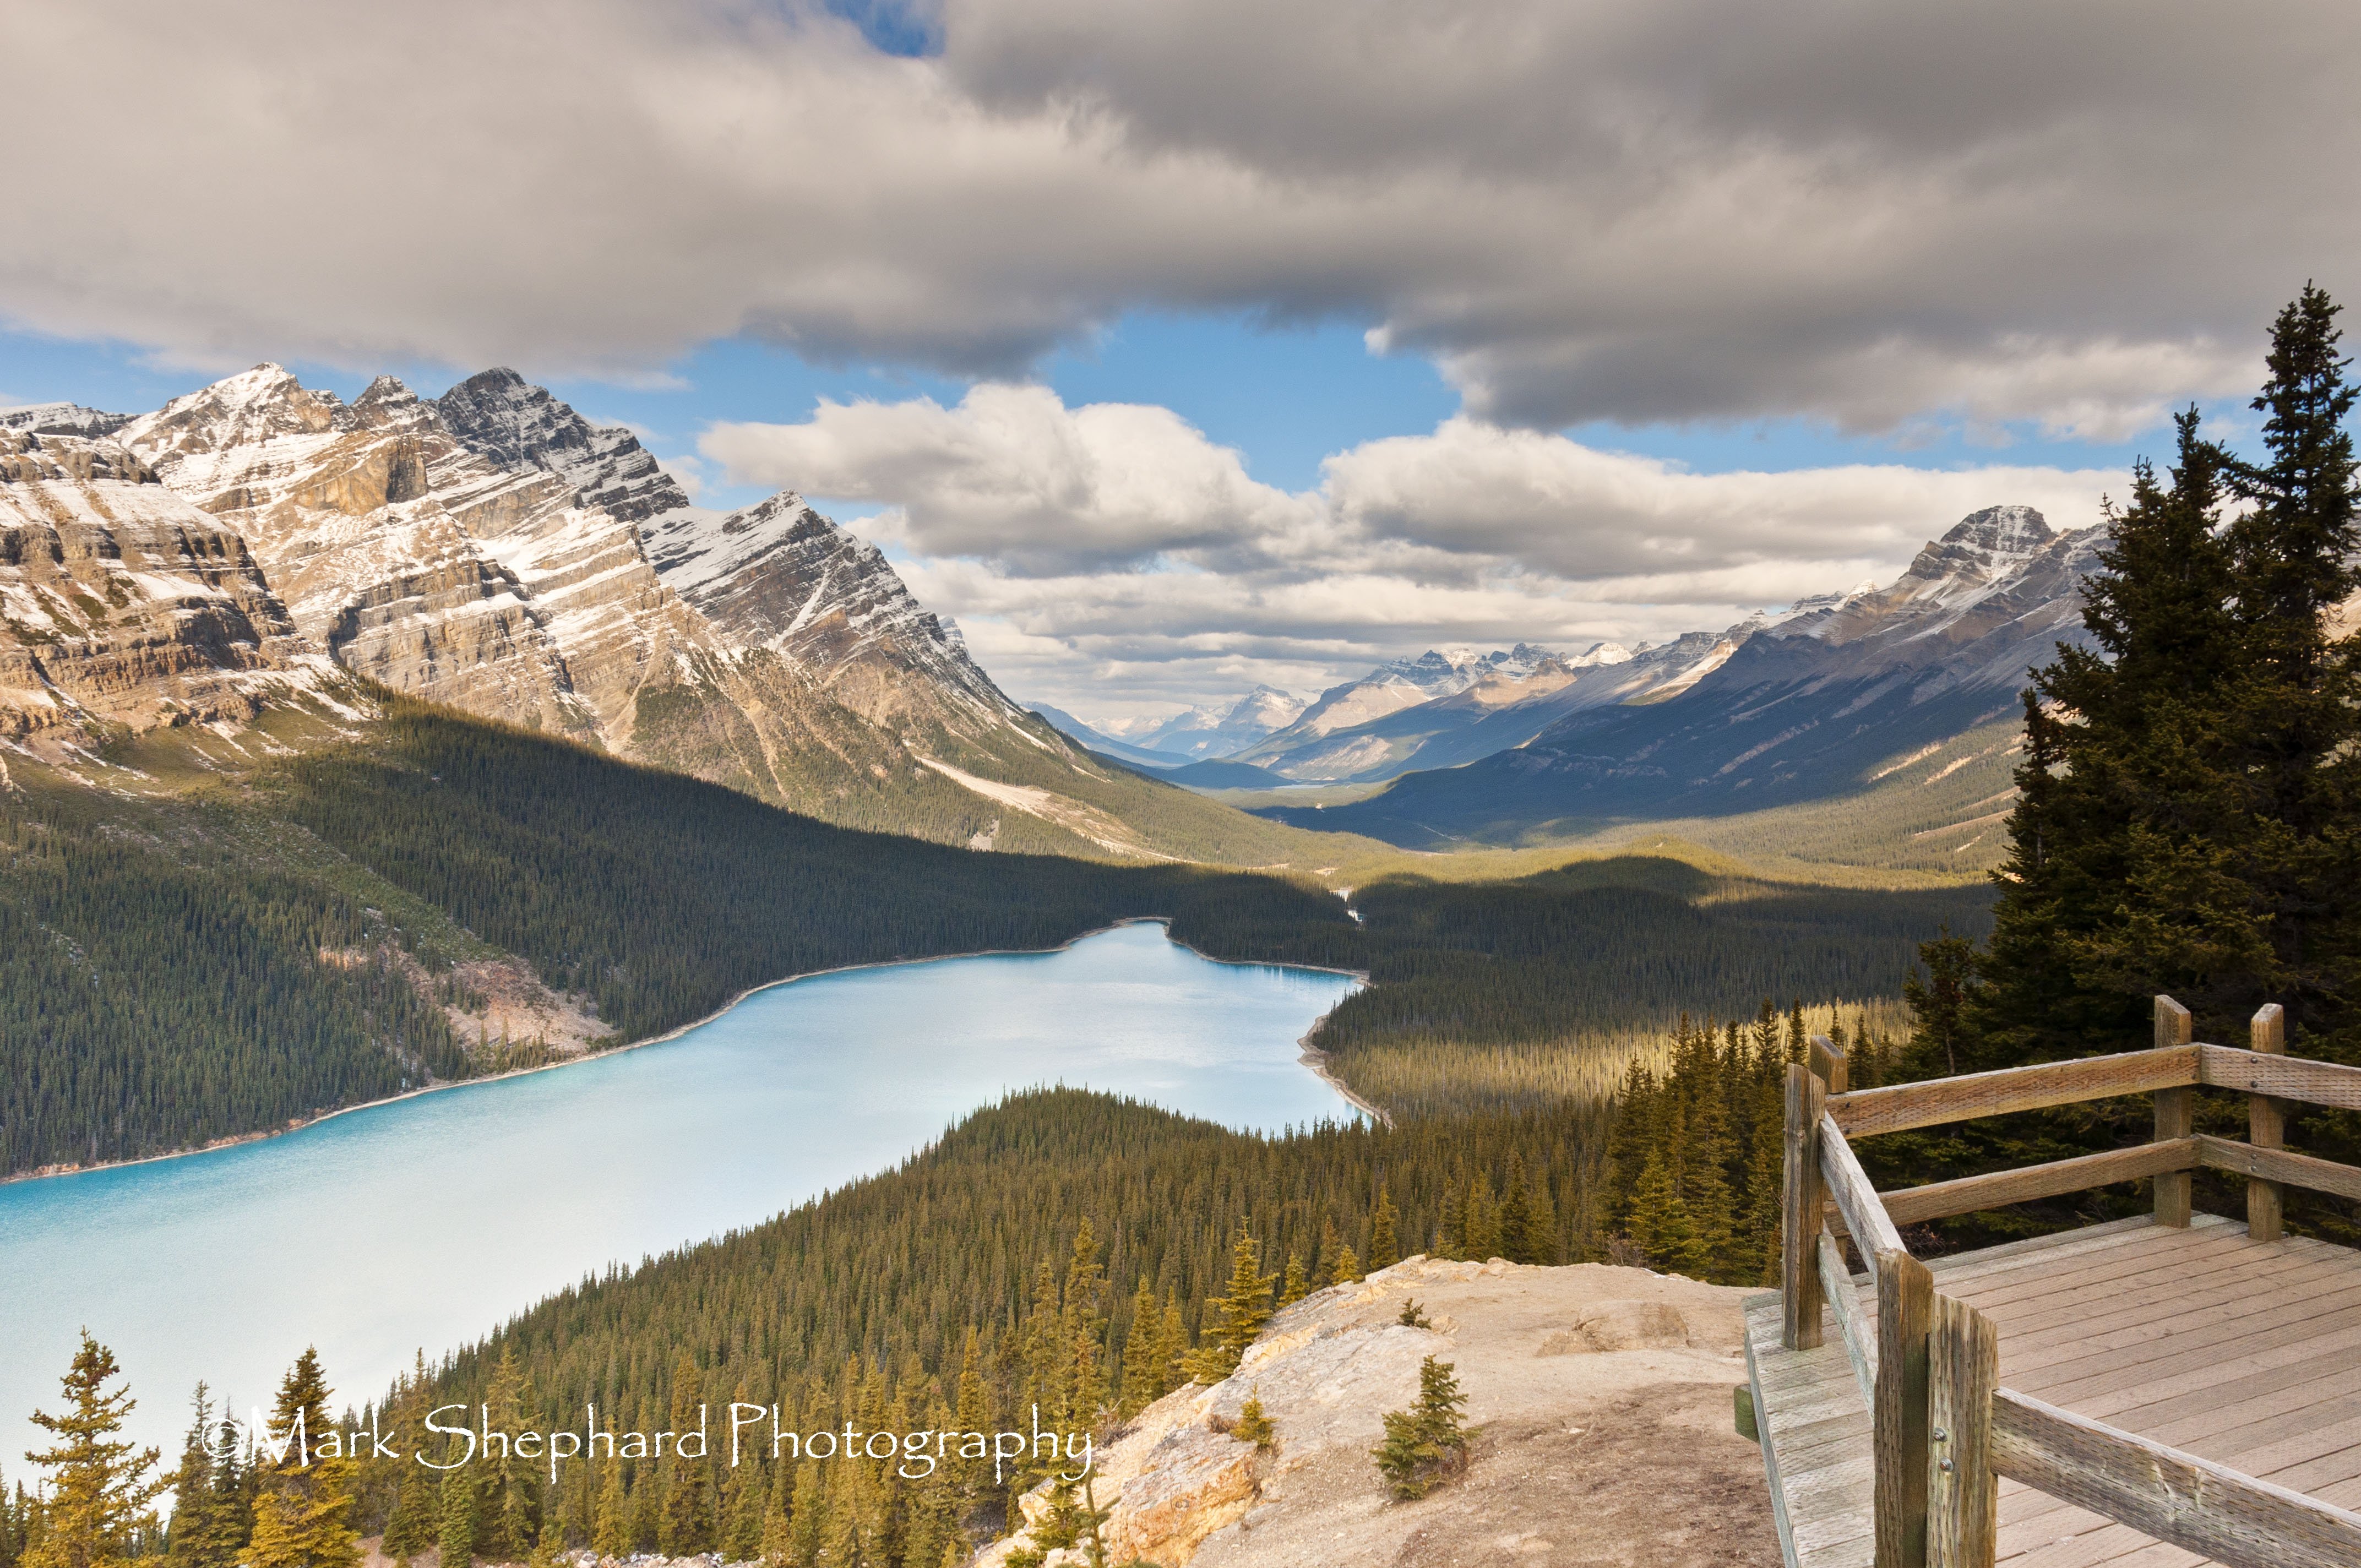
point(1317, 1067)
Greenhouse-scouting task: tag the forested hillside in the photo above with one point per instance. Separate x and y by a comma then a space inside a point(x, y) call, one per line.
point(182, 968)
point(1056, 1251)
point(1534, 992)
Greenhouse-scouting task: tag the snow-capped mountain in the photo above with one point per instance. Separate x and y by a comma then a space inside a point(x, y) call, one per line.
point(776, 576)
point(1222, 729)
point(1805, 705)
point(493, 551)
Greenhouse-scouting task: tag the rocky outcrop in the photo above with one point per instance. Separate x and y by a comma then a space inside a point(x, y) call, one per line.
point(1602, 1395)
point(122, 607)
point(516, 424)
point(342, 507)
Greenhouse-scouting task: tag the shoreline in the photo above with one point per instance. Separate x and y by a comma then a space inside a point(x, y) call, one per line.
point(53, 1172)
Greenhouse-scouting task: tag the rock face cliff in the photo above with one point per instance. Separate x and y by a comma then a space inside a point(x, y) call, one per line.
point(122, 607)
point(1603, 1396)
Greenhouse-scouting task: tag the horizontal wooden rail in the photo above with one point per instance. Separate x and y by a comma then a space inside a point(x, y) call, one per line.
point(1936, 1100)
point(1911, 1205)
point(2284, 1078)
point(2177, 1497)
point(1865, 1218)
point(2280, 1166)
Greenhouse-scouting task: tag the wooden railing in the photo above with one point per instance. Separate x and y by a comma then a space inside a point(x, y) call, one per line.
point(1945, 1431)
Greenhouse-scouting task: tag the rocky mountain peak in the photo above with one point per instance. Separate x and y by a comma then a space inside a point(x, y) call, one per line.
point(2004, 529)
point(500, 416)
point(250, 406)
point(62, 419)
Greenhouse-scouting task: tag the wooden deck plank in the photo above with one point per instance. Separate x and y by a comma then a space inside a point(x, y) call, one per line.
point(2104, 1305)
point(1815, 1429)
point(2245, 1352)
point(2132, 1257)
point(2294, 1291)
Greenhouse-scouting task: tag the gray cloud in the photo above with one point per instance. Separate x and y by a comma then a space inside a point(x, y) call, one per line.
point(1114, 549)
point(1678, 209)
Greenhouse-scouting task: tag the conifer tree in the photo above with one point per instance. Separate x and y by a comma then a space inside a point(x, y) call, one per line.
point(1385, 1251)
point(1529, 1220)
point(193, 1540)
point(1254, 1424)
point(610, 1528)
point(1428, 1442)
point(1479, 1222)
point(1296, 1285)
point(457, 1534)
point(1349, 1268)
point(1145, 1379)
point(411, 1527)
point(807, 1526)
point(840, 1539)
point(687, 1525)
point(1174, 1371)
point(1449, 1241)
point(1238, 1316)
point(2188, 795)
point(777, 1550)
point(1083, 1324)
point(509, 1487)
point(302, 1508)
point(100, 1488)
point(974, 1411)
point(1660, 1220)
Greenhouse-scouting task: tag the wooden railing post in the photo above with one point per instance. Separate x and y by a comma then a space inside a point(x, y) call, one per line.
point(1829, 1064)
point(2266, 1125)
point(2175, 1109)
point(1802, 1197)
point(1962, 1488)
point(1906, 1300)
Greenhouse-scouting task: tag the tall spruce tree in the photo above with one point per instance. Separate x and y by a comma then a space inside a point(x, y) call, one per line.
point(687, 1525)
point(302, 1508)
point(1384, 1250)
point(2191, 793)
point(191, 1539)
point(101, 1489)
point(1238, 1316)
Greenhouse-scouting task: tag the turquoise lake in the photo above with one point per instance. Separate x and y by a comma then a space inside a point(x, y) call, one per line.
point(427, 1222)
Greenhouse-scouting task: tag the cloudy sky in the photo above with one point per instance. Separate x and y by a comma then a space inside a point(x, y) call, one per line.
point(1174, 347)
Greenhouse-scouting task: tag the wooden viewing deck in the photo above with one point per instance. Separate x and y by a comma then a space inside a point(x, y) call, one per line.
point(2169, 1390)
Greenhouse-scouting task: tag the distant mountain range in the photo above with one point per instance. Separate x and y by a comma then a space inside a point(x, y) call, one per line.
point(1778, 710)
point(215, 572)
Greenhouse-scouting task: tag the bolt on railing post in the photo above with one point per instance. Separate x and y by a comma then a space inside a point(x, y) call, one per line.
point(1962, 1488)
point(2175, 1110)
point(2266, 1126)
point(1802, 1197)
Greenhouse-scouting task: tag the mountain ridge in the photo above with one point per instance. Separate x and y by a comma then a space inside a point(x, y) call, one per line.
point(493, 551)
point(1781, 710)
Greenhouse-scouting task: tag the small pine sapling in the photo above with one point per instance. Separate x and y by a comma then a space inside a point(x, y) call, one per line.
point(1254, 1425)
point(1427, 1443)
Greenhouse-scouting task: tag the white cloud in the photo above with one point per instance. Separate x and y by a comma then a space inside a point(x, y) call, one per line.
point(1619, 209)
point(1114, 548)
point(1013, 474)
